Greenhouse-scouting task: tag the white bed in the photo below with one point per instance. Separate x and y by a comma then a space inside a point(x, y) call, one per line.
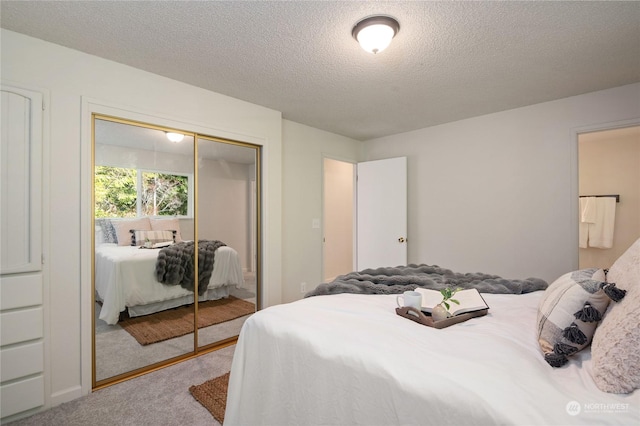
point(348, 359)
point(124, 278)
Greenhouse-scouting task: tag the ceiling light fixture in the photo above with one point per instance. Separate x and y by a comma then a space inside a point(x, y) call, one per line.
point(175, 137)
point(375, 32)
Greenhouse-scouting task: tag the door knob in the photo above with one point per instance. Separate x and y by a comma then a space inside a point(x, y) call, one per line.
point(401, 240)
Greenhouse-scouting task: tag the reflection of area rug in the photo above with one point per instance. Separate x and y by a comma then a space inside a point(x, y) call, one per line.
point(177, 322)
point(212, 394)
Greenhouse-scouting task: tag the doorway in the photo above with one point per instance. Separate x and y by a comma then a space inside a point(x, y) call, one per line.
point(609, 164)
point(365, 215)
point(338, 214)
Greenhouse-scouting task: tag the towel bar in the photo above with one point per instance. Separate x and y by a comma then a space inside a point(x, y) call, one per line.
point(616, 196)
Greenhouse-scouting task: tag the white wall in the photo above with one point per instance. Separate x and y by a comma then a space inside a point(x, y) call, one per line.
point(118, 156)
point(71, 77)
point(223, 203)
point(303, 150)
point(498, 193)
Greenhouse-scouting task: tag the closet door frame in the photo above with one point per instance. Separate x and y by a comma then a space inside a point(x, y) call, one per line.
point(90, 107)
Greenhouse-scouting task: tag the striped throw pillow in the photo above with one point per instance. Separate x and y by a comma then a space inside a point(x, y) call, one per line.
point(142, 237)
point(569, 312)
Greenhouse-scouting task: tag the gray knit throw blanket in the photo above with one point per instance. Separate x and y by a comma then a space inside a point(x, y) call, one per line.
point(175, 264)
point(406, 278)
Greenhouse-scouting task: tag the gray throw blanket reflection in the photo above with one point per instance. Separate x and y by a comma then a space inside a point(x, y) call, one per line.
point(406, 278)
point(175, 264)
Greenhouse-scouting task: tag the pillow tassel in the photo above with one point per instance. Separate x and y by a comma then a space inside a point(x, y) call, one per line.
point(574, 334)
point(564, 349)
point(616, 294)
point(555, 360)
point(588, 313)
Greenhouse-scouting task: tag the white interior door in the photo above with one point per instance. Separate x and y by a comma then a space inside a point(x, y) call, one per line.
point(382, 213)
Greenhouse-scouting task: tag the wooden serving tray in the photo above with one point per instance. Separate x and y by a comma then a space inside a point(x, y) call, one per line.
point(415, 315)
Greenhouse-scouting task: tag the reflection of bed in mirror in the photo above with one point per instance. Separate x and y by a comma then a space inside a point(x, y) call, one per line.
point(125, 279)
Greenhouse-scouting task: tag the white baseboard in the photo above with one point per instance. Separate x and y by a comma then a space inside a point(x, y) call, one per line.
point(21, 415)
point(56, 399)
point(66, 395)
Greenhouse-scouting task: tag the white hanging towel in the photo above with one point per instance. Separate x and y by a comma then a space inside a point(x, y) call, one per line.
point(587, 216)
point(588, 209)
point(601, 231)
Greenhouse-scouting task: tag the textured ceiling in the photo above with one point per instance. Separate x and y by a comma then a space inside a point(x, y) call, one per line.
point(450, 60)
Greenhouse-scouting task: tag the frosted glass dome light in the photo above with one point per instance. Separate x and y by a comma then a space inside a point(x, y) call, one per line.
point(375, 32)
point(175, 137)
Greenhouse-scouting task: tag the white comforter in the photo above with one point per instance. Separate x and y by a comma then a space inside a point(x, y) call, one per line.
point(124, 277)
point(349, 359)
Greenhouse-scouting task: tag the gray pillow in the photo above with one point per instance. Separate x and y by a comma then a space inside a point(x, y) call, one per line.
point(568, 313)
point(108, 231)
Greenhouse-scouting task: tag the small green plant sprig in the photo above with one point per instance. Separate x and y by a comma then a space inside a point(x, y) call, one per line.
point(447, 294)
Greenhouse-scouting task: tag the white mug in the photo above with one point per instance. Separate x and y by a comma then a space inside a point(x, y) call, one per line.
point(412, 299)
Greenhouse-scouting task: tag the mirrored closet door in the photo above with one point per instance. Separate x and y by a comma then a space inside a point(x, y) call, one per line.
point(161, 196)
point(226, 212)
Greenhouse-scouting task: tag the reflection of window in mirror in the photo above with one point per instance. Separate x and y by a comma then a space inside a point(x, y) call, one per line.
point(122, 192)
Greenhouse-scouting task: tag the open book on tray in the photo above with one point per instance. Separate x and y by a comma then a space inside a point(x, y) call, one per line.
point(471, 305)
point(426, 318)
point(470, 301)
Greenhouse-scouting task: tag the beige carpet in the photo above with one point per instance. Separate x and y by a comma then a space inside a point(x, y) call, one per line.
point(161, 398)
point(178, 322)
point(212, 394)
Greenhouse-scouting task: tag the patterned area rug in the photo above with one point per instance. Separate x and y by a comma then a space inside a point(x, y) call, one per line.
point(178, 322)
point(212, 394)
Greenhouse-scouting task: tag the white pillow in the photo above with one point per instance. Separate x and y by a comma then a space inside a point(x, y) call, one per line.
point(99, 235)
point(172, 224)
point(615, 350)
point(124, 226)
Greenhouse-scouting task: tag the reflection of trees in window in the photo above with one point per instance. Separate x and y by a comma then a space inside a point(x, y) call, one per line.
point(164, 194)
point(115, 192)
point(118, 190)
